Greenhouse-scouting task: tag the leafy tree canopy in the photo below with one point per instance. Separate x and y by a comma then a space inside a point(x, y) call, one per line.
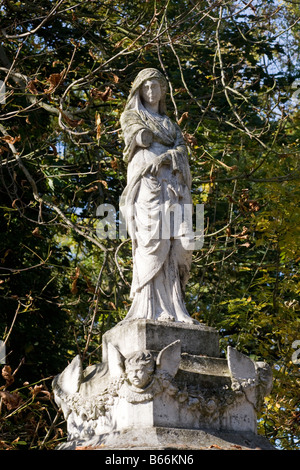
point(67, 68)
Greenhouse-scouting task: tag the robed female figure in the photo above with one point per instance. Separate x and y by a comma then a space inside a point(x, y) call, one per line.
point(156, 202)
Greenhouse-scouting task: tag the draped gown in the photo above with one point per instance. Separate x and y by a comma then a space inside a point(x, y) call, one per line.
point(161, 238)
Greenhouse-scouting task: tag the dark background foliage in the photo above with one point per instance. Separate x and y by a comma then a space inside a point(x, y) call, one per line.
point(232, 68)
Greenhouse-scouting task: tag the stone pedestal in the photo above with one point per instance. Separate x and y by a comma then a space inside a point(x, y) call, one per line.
point(135, 335)
point(163, 384)
point(170, 439)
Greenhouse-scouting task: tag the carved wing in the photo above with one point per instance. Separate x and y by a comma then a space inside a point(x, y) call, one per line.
point(115, 361)
point(168, 359)
point(241, 367)
point(70, 379)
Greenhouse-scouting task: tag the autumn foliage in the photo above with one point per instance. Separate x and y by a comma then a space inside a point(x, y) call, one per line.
point(67, 67)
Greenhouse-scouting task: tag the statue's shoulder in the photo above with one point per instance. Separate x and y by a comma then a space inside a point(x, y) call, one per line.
point(130, 114)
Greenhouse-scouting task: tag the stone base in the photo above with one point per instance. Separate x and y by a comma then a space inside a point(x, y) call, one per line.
point(135, 335)
point(191, 398)
point(161, 438)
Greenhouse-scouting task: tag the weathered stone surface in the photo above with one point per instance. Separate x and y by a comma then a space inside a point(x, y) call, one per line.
point(205, 365)
point(162, 387)
point(160, 438)
point(153, 335)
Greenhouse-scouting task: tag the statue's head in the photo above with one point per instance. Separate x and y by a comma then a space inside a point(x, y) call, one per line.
point(146, 78)
point(139, 368)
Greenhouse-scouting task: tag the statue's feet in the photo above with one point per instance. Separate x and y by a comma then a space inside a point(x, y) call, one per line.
point(166, 317)
point(189, 320)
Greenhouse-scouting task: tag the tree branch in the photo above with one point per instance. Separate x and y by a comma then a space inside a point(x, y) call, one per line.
point(33, 31)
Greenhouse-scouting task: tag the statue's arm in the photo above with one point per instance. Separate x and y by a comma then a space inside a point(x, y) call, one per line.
point(135, 133)
point(144, 138)
point(179, 142)
point(176, 157)
point(179, 154)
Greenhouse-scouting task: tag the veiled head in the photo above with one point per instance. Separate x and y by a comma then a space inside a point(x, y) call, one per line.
point(136, 94)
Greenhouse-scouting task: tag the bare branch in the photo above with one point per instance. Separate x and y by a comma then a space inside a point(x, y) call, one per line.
point(33, 31)
point(48, 203)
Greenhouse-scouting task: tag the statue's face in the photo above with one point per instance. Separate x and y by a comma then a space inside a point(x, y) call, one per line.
point(139, 375)
point(151, 92)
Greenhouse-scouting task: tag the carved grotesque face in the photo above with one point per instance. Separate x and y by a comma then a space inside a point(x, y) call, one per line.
point(139, 369)
point(151, 92)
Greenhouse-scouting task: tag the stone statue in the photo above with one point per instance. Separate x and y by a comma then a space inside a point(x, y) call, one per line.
point(156, 202)
point(161, 382)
